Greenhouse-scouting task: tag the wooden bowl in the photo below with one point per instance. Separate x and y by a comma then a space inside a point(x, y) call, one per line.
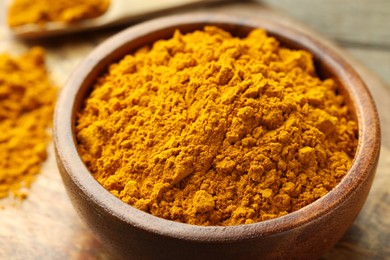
point(306, 233)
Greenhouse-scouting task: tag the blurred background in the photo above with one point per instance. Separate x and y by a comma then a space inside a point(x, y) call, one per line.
point(362, 27)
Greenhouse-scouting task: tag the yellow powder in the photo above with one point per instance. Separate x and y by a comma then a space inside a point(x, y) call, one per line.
point(22, 12)
point(26, 105)
point(209, 129)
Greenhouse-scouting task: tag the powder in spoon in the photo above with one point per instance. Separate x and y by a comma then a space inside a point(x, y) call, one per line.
point(22, 12)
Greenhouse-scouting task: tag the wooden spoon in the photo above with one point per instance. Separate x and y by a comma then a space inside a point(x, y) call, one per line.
point(119, 12)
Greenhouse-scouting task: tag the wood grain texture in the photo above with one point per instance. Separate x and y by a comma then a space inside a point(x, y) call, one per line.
point(45, 226)
point(355, 21)
point(377, 60)
point(360, 26)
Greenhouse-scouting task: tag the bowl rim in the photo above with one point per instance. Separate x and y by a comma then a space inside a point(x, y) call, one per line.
point(364, 163)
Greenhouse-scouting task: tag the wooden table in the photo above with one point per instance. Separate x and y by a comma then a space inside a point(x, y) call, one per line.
point(45, 225)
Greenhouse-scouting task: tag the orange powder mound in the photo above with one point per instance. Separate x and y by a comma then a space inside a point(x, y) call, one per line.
point(209, 129)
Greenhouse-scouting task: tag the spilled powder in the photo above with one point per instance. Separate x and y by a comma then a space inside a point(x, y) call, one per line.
point(27, 100)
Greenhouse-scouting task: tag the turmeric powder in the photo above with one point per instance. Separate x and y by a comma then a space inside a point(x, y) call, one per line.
point(210, 129)
point(22, 12)
point(26, 105)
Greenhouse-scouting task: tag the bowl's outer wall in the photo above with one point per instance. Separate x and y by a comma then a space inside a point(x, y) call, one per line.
point(132, 241)
point(304, 242)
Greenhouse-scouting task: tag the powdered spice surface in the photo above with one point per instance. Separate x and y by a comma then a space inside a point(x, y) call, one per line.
point(209, 129)
point(27, 98)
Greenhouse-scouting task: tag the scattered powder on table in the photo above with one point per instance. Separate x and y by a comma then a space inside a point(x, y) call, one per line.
point(208, 129)
point(27, 99)
point(22, 12)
